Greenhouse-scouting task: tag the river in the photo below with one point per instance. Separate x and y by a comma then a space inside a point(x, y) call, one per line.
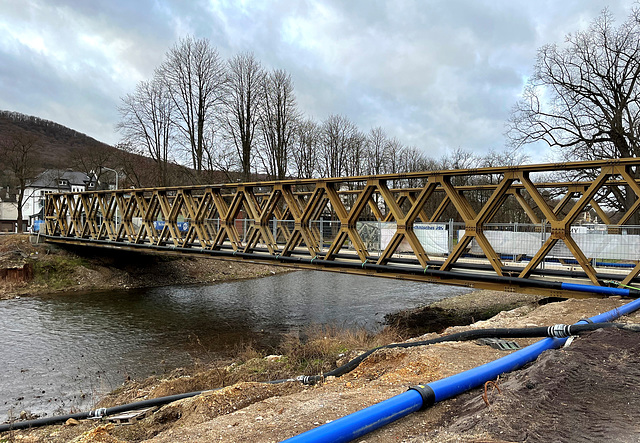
point(61, 353)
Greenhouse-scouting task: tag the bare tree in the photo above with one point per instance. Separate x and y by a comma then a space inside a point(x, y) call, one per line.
point(507, 157)
point(510, 209)
point(458, 159)
point(337, 132)
point(196, 79)
point(377, 151)
point(20, 155)
point(224, 162)
point(356, 147)
point(393, 158)
point(305, 149)
point(133, 166)
point(584, 97)
point(243, 102)
point(278, 121)
point(413, 159)
point(89, 159)
point(146, 123)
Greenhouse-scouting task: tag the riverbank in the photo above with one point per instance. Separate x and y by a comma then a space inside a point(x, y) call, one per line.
point(42, 268)
point(244, 409)
point(603, 363)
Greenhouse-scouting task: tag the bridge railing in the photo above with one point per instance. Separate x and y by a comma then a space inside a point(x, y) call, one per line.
point(425, 220)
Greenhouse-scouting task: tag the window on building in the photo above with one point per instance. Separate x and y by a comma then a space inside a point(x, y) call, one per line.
point(44, 197)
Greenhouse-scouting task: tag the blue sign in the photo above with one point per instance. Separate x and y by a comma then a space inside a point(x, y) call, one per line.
point(182, 226)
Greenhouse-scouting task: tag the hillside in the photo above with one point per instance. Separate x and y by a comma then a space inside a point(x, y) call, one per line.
point(58, 146)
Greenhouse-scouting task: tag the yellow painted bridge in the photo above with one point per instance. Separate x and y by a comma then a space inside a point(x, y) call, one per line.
point(521, 228)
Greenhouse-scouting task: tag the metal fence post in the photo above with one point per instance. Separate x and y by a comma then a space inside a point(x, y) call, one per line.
point(244, 230)
point(450, 235)
point(515, 230)
point(543, 233)
point(275, 229)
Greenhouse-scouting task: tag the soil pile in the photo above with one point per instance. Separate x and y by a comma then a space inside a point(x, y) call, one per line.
point(587, 392)
point(461, 310)
point(15, 250)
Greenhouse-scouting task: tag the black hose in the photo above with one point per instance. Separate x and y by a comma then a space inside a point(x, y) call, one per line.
point(98, 413)
point(558, 331)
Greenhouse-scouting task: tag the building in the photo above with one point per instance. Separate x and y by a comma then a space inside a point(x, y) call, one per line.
point(50, 181)
point(8, 211)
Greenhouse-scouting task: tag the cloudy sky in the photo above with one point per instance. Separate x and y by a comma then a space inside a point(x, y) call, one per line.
point(436, 74)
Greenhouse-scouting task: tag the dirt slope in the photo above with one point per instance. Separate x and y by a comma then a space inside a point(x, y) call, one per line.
point(558, 398)
point(586, 392)
point(54, 269)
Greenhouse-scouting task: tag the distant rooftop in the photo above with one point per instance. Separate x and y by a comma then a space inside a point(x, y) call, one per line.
point(62, 179)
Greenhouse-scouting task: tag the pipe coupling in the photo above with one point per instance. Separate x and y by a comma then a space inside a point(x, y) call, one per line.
point(98, 413)
point(427, 394)
point(559, 331)
point(307, 379)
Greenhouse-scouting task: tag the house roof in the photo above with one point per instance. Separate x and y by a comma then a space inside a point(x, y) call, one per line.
point(61, 179)
point(7, 198)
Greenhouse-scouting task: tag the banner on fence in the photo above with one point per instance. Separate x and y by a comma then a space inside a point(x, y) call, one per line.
point(596, 244)
point(434, 237)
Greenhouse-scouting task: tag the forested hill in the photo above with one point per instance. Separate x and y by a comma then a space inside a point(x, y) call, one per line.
point(57, 146)
point(54, 146)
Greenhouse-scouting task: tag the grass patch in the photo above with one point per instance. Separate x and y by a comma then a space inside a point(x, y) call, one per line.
point(57, 272)
point(322, 348)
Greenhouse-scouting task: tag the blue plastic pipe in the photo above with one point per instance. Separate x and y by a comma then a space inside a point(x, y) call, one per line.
point(595, 289)
point(364, 421)
point(369, 419)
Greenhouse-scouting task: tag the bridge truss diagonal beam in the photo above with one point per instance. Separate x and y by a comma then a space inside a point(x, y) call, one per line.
point(371, 225)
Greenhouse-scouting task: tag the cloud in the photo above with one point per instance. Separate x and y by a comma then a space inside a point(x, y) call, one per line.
point(436, 75)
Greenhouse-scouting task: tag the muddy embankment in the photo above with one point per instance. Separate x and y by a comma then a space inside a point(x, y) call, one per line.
point(28, 267)
point(559, 397)
point(586, 392)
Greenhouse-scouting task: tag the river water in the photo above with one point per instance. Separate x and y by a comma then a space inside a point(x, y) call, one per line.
point(61, 353)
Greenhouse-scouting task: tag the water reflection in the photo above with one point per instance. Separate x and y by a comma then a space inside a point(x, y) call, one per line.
point(62, 352)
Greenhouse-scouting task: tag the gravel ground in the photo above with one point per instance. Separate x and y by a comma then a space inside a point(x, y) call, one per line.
point(250, 412)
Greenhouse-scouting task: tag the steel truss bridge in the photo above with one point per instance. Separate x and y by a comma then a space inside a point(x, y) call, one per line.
point(420, 226)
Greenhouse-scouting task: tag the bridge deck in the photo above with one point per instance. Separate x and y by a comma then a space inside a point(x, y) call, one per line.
point(428, 226)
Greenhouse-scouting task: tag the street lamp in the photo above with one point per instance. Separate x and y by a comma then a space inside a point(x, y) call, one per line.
point(116, 173)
